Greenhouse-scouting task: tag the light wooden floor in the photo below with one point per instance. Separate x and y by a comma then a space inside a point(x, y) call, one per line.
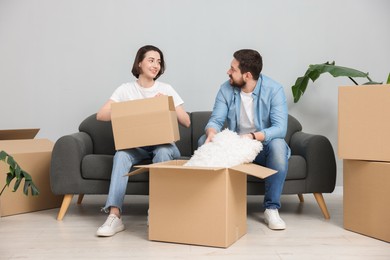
point(39, 235)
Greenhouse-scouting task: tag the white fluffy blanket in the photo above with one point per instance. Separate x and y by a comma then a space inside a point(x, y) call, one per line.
point(226, 150)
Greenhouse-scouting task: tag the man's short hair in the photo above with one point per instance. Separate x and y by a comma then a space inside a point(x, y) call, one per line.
point(249, 61)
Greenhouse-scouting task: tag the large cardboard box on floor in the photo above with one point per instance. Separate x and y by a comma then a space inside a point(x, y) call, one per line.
point(199, 205)
point(363, 125)
point(144, 122)
point(367, 198)
point(34, 157)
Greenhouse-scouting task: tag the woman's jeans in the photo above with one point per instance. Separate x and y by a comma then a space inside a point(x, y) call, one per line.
point(125, 159)
point(275, 155)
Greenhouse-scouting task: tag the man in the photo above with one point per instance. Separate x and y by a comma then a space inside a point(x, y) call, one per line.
point(255, 107)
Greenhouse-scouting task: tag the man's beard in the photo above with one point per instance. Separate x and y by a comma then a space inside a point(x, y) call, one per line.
point(237, 84)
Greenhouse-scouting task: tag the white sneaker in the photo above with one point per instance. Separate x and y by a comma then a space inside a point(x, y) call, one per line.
point(271, 217)
point(112, 226)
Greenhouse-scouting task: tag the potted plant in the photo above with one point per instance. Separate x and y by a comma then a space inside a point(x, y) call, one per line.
point(15, 171)
point(314, 71)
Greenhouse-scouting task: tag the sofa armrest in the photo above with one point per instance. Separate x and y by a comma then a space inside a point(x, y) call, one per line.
point(320, 161)
point(65, 168)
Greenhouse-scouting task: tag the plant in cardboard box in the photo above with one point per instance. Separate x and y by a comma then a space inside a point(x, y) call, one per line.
point(15, 171)
point(314, 71)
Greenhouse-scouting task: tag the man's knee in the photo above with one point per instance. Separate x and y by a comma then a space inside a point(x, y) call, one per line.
point(278, 147)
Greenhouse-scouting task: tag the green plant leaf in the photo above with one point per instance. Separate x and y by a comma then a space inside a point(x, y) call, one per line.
point(11, 162)
point(3, 155)
point(337, 71)
point(15, 171)
point(314, 72)
point(372, 83)
point(26, 176)
point(9, 178)
point(17, 183)
point(33, 188)
point(299, 88)
point(388, 79)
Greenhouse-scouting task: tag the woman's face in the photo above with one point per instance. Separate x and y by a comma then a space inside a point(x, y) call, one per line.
point(150, 66)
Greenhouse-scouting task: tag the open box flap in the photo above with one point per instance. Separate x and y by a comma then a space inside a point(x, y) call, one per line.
point(174, 164)
point(142, 106)
point(137, 171)
point(253, 169)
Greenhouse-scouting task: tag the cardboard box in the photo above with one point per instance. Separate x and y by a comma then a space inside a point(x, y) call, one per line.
point(199, 205)
point(367, 198)
point(363, 127)
point(144, 122)
point(34, 157)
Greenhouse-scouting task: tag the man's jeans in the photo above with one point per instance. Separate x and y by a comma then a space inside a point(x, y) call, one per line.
point(125, 159)
point(275, 156)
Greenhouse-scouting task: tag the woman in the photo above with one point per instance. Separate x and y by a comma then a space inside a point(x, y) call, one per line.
point(147, 68)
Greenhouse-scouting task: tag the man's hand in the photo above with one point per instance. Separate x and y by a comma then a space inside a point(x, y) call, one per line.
point(246, 136)
point(210, 133)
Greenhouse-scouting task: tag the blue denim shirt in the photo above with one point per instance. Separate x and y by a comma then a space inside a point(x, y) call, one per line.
point(270, 108)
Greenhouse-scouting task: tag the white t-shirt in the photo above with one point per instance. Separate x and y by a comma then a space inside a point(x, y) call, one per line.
point(247, 124)
point(132, 91)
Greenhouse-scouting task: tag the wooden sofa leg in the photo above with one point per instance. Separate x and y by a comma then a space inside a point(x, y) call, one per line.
point(80, 199)
point(301, 199)
point(321, 203)
point(64, 206)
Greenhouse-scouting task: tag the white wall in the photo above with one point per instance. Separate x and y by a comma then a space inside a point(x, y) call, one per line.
point(61, 60)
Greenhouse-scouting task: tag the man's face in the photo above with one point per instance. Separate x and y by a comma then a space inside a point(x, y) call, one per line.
point(235, 75)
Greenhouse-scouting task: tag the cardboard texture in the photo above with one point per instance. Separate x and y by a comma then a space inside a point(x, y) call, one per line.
point(144, 122)
point(14, 134)
point(367, 198)
point(34, 157)
point(199, 205)
point(363, 129)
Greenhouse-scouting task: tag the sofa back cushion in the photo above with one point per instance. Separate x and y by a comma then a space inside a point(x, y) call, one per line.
point(100, 133)
point(293, 126)
point(103, 141)
point(198, 121)
point(184, 144)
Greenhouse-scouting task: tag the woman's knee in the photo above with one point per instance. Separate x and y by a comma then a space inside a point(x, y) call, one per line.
point(121, 156)
point(165, 153)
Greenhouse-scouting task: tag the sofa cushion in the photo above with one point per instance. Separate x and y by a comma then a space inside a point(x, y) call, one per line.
point(296, 169)
point(99, 167)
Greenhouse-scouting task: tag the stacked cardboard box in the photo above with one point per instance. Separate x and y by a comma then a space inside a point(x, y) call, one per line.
point(364, 146)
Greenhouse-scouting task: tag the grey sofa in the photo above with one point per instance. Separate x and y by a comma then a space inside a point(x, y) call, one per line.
point(81, 162)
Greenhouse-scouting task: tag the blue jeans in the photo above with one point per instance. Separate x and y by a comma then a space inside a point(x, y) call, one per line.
point(275, 156)
point(125, 159)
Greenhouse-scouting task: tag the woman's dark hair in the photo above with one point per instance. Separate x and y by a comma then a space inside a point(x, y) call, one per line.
point(141, 56)
point(249, 61)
